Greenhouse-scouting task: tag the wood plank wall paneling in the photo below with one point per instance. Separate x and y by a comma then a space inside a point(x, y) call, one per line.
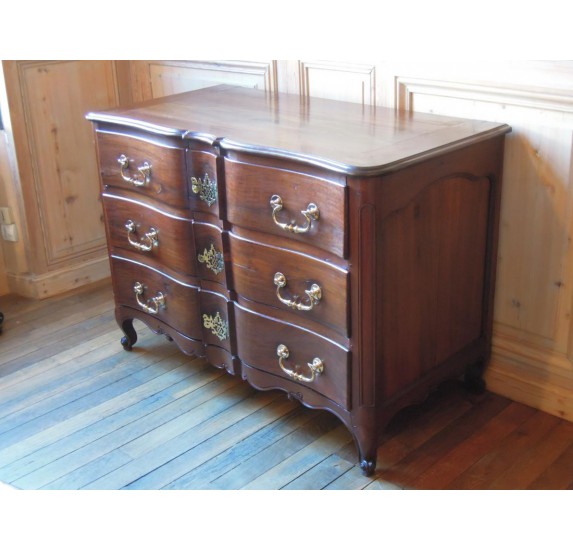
point(533, 333)
point(57, 179)
point(55, 97)
point(152, 79)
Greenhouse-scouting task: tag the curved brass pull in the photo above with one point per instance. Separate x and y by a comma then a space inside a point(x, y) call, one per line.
point(316, 367)
point(157, 301)
point(144, 170)
point(311, 213)
point(314, 294)
point(149, 240)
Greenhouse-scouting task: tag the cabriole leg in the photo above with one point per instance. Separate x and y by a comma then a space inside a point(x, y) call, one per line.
point(130, 337)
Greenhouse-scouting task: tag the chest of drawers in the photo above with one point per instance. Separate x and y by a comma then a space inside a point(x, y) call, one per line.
point(343, 254)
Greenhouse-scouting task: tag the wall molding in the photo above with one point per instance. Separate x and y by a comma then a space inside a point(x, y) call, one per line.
point(537, 387)
point(545, 99)
point(367, 72)
point(60, 281)
point(266, 72)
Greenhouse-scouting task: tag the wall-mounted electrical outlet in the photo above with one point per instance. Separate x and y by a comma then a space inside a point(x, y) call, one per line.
point(9, 232)
point(6, 215)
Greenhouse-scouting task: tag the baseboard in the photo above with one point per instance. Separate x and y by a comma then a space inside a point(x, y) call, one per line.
point(549, 389)
point(60, 281)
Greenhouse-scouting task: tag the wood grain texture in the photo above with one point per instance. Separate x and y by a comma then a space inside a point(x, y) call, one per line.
point(167, 167)
point(424, 210)
point(532, 335)
point(158, 78)
point(255, 265)
point(250, 188)
point(340, 136)
point(258, 338)
point(54, 188)
point(172, 231)
point(181, 304)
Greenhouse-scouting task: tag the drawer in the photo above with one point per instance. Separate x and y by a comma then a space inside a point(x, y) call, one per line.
point(215, 319)
point(217, 325)
point(311, 288)
point(290, 204)
point(153, 169)
point(146, 289)
point(202, 182)
point(209, 252)
point(136, 226)
point(287, 350)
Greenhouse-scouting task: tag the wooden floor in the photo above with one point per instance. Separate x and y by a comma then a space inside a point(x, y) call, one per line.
point(78, 412)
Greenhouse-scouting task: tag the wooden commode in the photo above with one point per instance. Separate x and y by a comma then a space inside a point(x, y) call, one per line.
point(342, 253)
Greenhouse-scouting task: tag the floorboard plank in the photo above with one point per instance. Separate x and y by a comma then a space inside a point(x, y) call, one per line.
point(482, 441)
point(321, 475)
point(423, 457)
point(301, 461)
point(107, 425)
point(493, 464)
point(67, 382)
point(217, 465)
point(536, 459)
point(75, 409)
point(557, 476)
point(85, 419)
point(351, 480)
point(126, 425)
point(214, 417)
point(272, 455)
point(181, 473)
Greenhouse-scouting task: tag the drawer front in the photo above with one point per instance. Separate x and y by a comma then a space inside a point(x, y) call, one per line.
point(286, 350)
point(154, 170)
point(145, 289)
point(215, 319)
point(290, 281)
point(135, 226)
point(209, 253)
point(289, 204)
point(202, 182)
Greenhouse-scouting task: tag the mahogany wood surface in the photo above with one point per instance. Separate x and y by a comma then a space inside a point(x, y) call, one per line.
point(167, 167)
point(341, 136)
point(258, 338)
point(181, 310)
point(175, 242)
point(210, 252)
point(255, 265)
point(250, 188)
point(404, 245)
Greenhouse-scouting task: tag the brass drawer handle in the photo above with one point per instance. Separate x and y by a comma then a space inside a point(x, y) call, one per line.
point(144, 170)
point(316, 367)
point(311, 213)
point(314, 295)
point(157, 301)
point(149, 240)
